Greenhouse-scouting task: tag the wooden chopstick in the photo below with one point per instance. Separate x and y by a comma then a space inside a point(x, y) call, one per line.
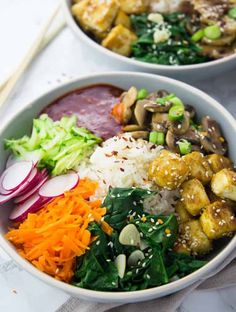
point(50, 35)
point(41, 41)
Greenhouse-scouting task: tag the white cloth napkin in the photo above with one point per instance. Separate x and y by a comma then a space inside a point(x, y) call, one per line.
point(223, 276)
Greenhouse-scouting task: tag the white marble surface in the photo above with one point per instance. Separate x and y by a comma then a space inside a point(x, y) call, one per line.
point(65, 59)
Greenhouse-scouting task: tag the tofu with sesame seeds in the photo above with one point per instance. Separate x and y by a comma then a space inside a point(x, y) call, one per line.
point(119, 40)
point(168, 170)
point(134, 6)
point(181, 247)
point(219, 162)
point(223, 184)
point(123, 19)
point(182, 213)
point(96, 16)
point(194, 196)
point(199, 167)
point(217, 220)
point(195, 238)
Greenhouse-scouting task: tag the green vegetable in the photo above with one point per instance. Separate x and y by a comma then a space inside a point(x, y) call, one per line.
point(232, 13)
point(165, 99)
point(155, 265)
point(198, 35)
point(176, 101)
point(179, 49)
point(57, 145)
point(185, 146)
point(212, 32)
point(176, 113)
point(142, 94)
point(157, 137)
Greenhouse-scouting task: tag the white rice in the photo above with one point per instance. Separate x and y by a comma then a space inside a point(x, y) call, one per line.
point(123, 162)
point(165, 6)
point(120, 162)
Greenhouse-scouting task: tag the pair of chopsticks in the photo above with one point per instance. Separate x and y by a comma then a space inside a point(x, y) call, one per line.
point(45, 36)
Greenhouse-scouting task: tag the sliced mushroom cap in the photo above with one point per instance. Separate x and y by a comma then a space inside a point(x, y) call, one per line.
point(211, 139)
point(191, 110)
point(140, 134)
point(140, 113)
point(160, 122)
point(127, 114)
point(180, 127)
point(129, 97)
point(171, 141)
point(192, 136)
point(131, 128)
point(156, 107)
point(162, 93)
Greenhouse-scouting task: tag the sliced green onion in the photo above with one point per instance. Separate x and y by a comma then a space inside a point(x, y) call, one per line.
point(157, 137)
point(212, 32)
point(165, 99)
point(185, 147)
point(176, 113)
point(142, 94)
point(232, 13)
point(198, 35)
point(177, 102)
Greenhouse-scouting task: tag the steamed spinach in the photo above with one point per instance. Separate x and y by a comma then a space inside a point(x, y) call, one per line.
point(177, 50)
point(96, 269)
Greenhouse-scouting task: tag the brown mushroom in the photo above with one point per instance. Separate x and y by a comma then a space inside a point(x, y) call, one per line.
point(191, 110)
point(131, 128)
point(181, 126)
point(129, 97)
point(160, 122)
point(171, 141)
point(140, 134)
point(140, 113)
point(211, 139)
point(191, 136)
point(155, 107)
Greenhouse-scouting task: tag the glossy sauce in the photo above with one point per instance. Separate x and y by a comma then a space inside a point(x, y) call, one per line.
point(92, 105)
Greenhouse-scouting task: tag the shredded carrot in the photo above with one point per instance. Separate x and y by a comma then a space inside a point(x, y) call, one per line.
point(52, 238)
point(106, 228)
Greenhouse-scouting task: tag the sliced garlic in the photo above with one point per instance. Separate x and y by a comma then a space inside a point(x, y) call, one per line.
point(155, 18)
point(129, 236)
point(143, 245)
point(161, 35)
point(120, 263)
point(135, 257)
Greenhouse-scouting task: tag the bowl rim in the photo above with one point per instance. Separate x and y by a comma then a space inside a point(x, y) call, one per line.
point(130, 296)
point(129, 61)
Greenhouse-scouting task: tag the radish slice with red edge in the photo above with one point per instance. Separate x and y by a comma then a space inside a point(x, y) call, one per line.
point(33, 204)
point(15, 175)
point(34, 178)
point(57, 186)
point(5, 197)
point(21, 199)
point(12, 159)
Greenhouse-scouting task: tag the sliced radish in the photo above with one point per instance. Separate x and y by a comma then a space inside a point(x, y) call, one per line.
point(11, 160)
point(32, 180)
point(21, 199)
point(6, 197)
point(33, 204)
point(57, 186)
point(15, 175)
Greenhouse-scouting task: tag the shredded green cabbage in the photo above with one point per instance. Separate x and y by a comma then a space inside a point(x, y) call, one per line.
point(57, 145)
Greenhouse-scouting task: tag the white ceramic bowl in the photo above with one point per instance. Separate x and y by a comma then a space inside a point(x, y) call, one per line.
point(118, 62)
point(21, 123)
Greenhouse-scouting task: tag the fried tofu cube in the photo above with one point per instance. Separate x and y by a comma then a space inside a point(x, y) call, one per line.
point(198, 242)
point(168, 170)
point(134, 6)
point(194, 196)
point(96, 16)
point(219, 162)
point(120, 40)
point(182, 213)
point(223, 184)
point(199, 167)
point(217, 220)
point(123, 19)
point(181, 247)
